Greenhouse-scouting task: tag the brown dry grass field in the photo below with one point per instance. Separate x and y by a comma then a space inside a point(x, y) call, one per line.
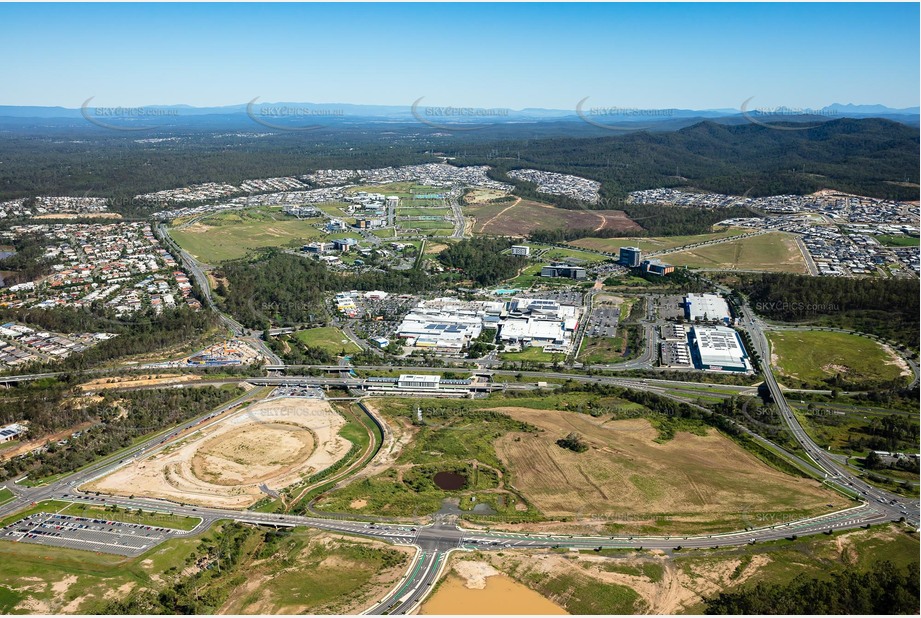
point(691, 482)
point(522, 217)
point(275, 442)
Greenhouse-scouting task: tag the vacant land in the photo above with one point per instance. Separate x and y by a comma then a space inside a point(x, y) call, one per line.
point(600, 350)
point(228, 236)
point(574, 256)
point(625, 582)
point(273, 443)
point(318, 573)
point(456, 437)
point(813, 357)
point(898, 241)
point(327, 338)
point(296, 572)
point(771, 252)
point(101, 384)
point(630, 478)
point(522, 217)
point(431, 211)
point(533, 353)
point(691, 483)
point(481, 195)
point(653, 243)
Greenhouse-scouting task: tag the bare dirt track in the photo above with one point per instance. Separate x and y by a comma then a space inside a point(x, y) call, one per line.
point(274, 442)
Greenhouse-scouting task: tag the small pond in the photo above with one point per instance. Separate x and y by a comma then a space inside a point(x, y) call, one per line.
point(450, 480)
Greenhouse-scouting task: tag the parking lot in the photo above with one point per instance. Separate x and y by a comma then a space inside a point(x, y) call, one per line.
point(603, 322)
point(297, 391)
point(564, 297)
point(671, 307)
point(87, 533)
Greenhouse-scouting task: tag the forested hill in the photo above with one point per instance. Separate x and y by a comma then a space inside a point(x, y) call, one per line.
point(870, 157)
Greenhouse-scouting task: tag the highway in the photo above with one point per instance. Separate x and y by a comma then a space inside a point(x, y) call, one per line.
point(435, 540)
point(201, 278)
point(892, 504)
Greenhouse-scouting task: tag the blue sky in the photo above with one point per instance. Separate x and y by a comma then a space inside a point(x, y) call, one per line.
point(484, 55)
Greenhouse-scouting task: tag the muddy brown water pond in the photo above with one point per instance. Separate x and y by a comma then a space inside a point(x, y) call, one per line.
point(450, 480)
point(501, 596)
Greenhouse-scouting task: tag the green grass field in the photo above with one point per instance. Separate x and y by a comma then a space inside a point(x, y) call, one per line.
point(423, 212)
point(5, 495)
point(145, 518)
point(228, 236)
point(653, 243)
point(771, 252)
point(328, 338)
point(602, 350)
point(890, 240)
point(810, 357)
point(533, 353)
point(426, 226)
point(557, 254)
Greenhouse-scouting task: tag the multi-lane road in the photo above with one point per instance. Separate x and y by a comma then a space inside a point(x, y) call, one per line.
point(435, 540)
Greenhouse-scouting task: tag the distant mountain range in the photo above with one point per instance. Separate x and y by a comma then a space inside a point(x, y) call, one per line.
point(326, 113)
point(587, 119)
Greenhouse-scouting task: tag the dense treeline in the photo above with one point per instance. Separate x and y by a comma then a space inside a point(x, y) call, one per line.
point(78, 161)
point(42, 403)
point(26, 263)
point(866, 157)
point(293, 352)
point(482, 260)
point(888, 308)
point(120, 418)
point(279, 288)
point(882, 590)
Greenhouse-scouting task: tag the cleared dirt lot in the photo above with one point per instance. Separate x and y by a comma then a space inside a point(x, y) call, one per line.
point(688, 482)
point(524, 216)
point(166, 379)
point(274, 442)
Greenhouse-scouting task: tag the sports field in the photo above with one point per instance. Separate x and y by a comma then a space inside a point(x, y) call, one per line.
point(771, 252)
point(890, 240)
point(228, 236)
point(810, 357)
